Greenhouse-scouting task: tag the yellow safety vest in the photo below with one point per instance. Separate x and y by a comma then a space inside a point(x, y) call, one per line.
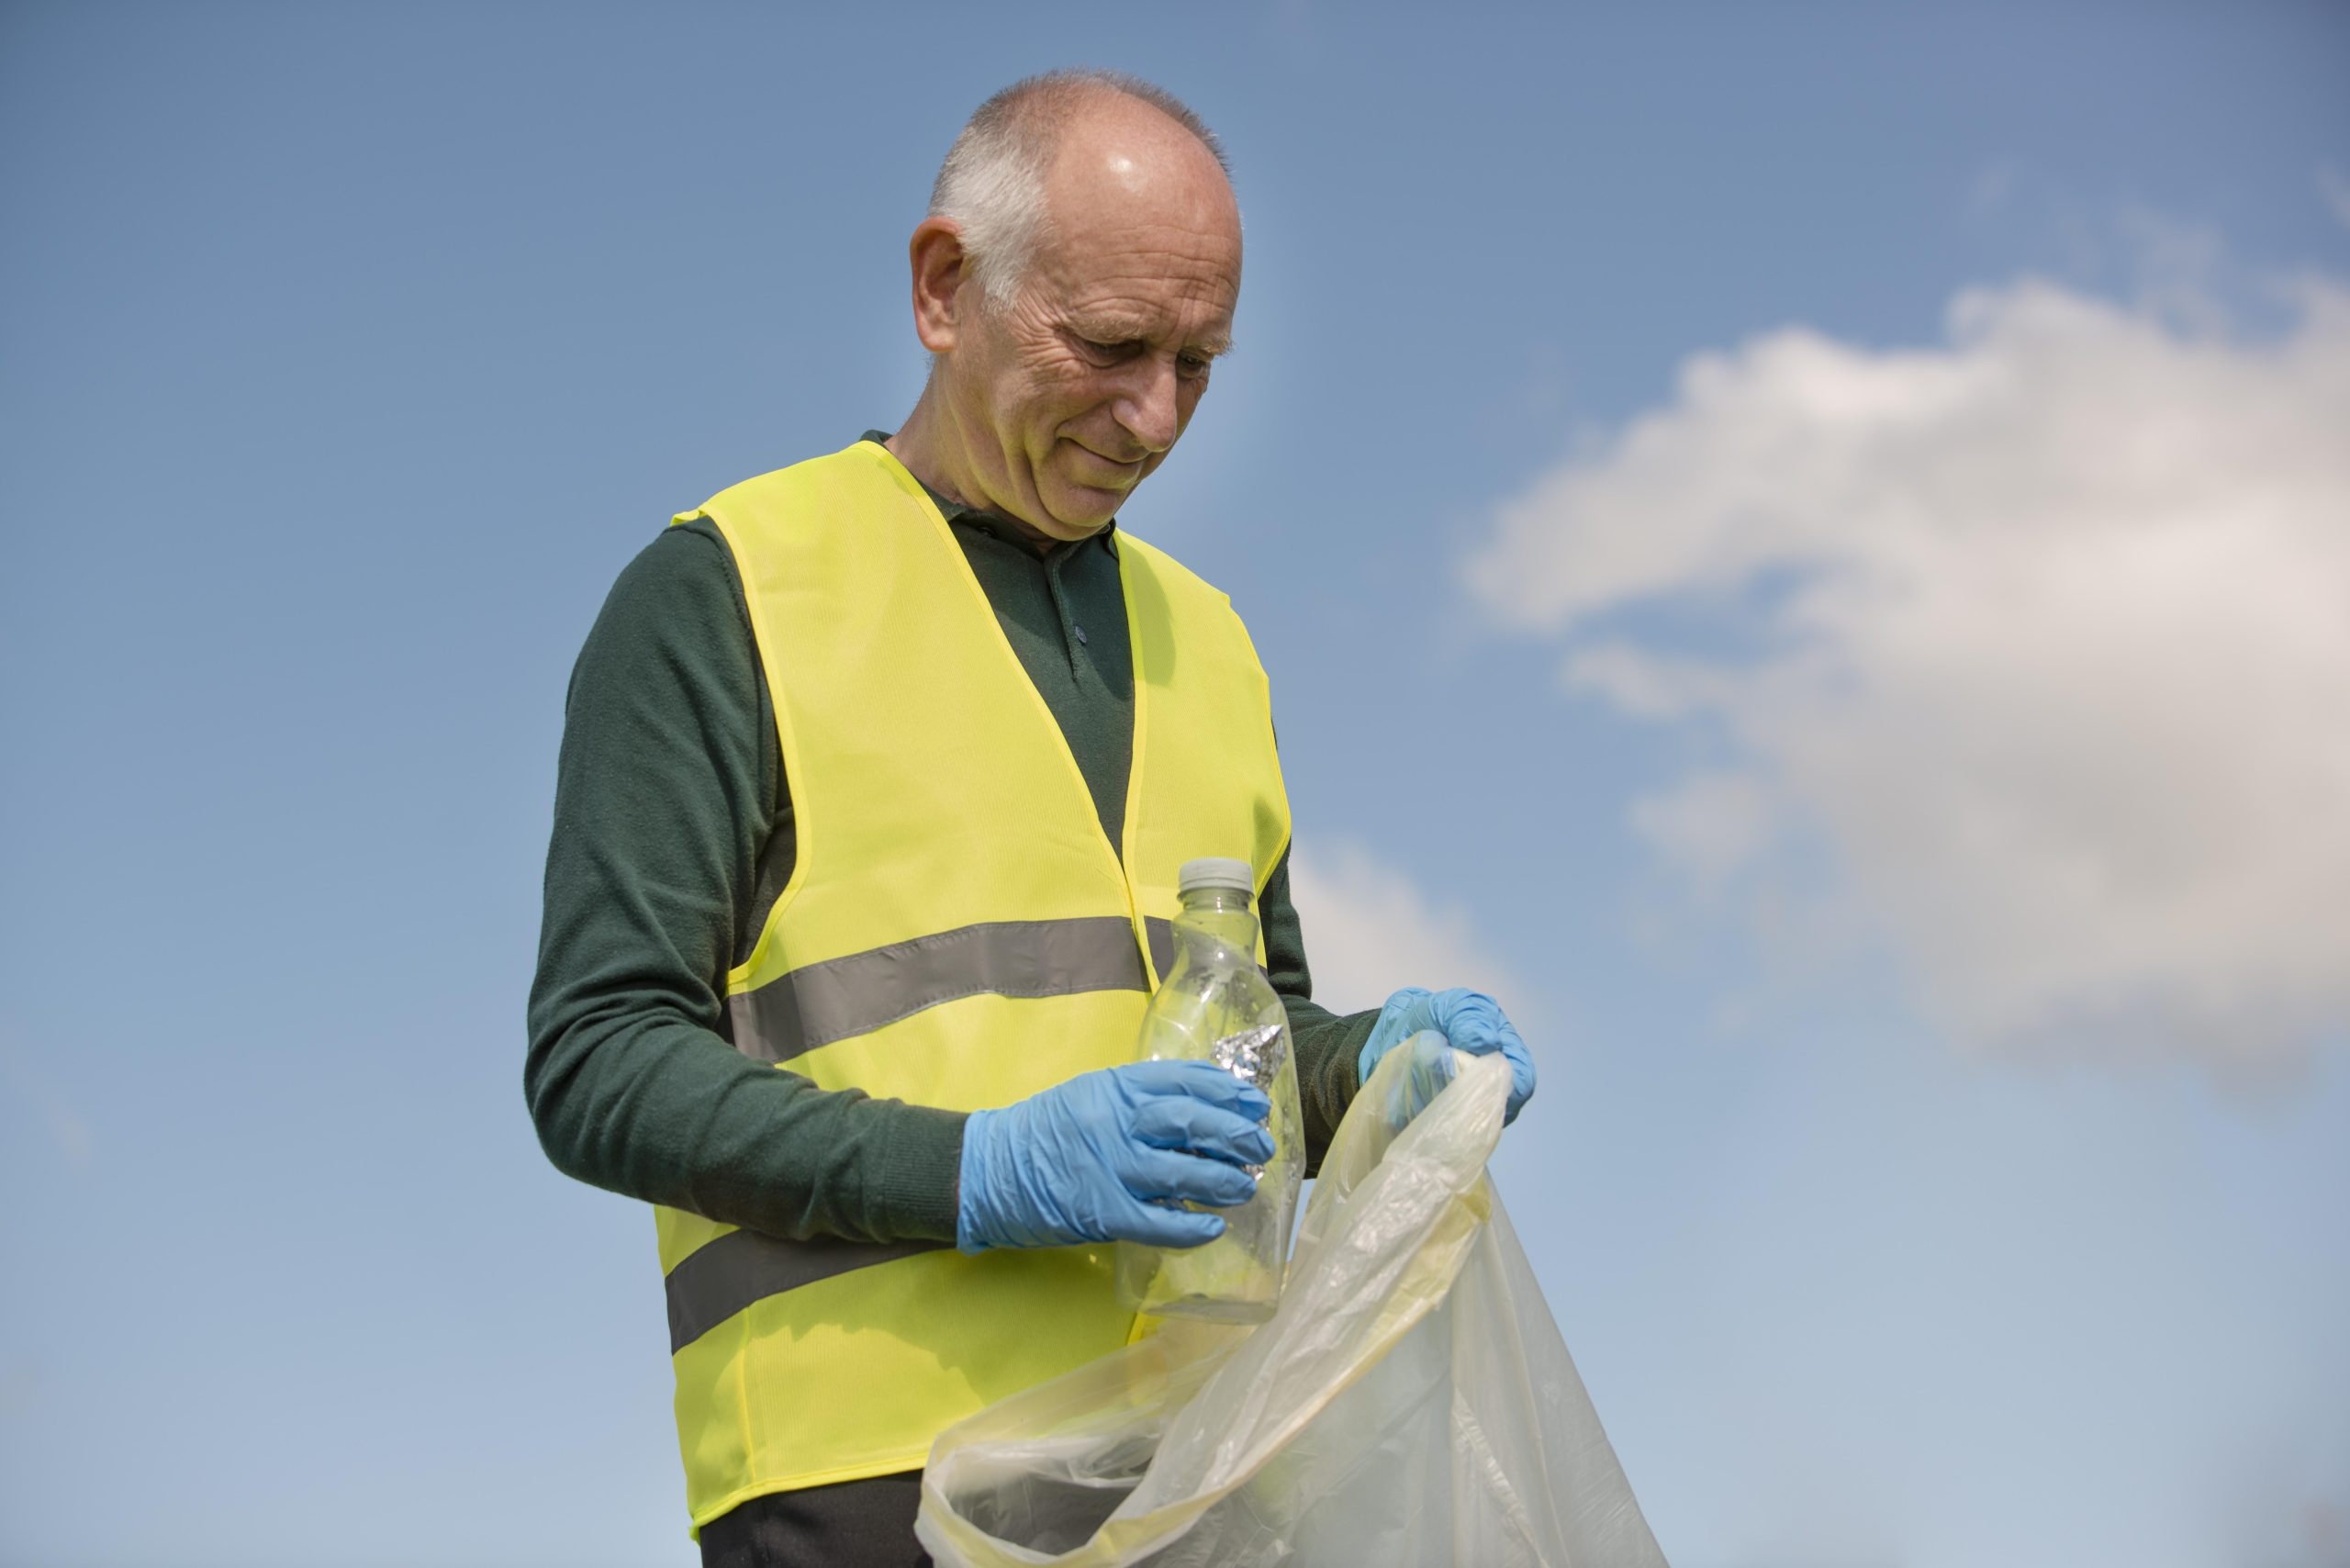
point(957, 932)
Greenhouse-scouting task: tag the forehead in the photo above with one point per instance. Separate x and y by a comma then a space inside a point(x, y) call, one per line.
point(1143, 282)
point(1141, 232)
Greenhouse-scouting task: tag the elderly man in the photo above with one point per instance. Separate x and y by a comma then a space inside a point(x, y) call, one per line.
point(877, 774)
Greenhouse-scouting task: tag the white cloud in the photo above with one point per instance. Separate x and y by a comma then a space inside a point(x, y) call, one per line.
point(2055, 623)
point(1370, 929)
point(1712, 823)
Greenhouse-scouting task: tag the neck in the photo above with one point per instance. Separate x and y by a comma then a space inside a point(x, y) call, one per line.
point(921, 446)
point(934, 451)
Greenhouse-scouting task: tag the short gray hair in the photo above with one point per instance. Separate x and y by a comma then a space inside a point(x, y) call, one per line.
point(992, 182)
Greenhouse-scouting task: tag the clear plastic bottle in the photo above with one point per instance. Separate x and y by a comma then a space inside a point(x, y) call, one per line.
point(1215, 1005)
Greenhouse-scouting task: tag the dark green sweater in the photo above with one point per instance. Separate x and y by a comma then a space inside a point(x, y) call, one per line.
point(674, 833)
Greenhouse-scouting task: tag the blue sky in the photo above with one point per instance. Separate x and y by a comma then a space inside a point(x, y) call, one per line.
point(1945, 1121)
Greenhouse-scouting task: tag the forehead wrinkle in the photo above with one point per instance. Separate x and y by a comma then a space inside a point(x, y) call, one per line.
point(1203, 307)
point(1151, 287)
point(1086, 264)
point(1117, 274)
point(1152, 295)
point(1119, 322)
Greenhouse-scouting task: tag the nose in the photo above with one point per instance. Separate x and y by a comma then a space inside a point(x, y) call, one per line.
point(1146, 405)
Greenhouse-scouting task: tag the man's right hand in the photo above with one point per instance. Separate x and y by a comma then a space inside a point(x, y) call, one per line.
point(1103, 1157)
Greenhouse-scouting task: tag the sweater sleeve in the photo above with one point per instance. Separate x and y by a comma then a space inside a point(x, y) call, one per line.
point(1326, 1043)
point(663, 807)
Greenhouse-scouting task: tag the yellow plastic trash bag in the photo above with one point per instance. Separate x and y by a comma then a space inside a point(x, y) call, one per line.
point(1410, 1403)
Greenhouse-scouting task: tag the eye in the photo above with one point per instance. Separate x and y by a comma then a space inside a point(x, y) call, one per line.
point(1192, 366)
point(1108, 353)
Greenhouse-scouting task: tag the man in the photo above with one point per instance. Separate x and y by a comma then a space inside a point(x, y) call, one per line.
point(876, 776)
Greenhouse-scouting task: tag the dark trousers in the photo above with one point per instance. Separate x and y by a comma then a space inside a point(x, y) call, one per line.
point(852, 1524)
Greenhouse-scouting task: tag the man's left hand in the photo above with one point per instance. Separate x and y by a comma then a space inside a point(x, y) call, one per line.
point(1469, 1020)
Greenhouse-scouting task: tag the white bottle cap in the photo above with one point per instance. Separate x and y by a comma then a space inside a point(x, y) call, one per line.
point(1216, 873)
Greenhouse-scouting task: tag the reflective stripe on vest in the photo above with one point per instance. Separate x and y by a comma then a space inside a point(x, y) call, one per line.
point(719, 1280)
point(831, 1001)
point(957, 932)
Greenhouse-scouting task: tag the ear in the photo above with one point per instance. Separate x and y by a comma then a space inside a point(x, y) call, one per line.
point(935, 252)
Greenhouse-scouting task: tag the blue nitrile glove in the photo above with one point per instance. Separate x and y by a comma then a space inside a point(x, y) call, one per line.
point(1089, 1159)
point(1470, 1020)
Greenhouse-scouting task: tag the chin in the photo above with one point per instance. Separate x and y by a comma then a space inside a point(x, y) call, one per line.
point(1083, 509)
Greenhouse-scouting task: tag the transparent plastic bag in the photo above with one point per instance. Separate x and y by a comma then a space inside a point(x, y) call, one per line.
point(1410, 1403)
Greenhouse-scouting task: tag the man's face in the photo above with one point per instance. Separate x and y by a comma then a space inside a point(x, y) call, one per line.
point(1066, 396)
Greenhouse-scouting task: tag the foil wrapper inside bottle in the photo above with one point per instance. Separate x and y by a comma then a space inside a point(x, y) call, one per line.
point(1252, 1056)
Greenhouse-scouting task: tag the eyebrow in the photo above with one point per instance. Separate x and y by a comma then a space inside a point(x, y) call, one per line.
point(1216, 345)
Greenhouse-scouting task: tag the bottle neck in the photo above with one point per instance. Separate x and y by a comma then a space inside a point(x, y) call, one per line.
point(1224, 916)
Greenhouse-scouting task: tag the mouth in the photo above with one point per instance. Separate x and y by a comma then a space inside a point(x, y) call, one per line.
point(1126, 467)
